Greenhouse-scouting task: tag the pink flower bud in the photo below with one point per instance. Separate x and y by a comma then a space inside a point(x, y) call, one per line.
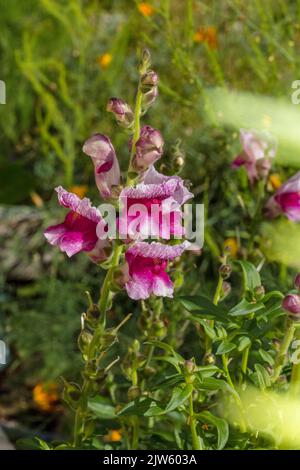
point(259, 148)
point(121, 110)
point(297, 281)
point(149, 148)
point(291, 303)
point(149, 80)
point(150, 97)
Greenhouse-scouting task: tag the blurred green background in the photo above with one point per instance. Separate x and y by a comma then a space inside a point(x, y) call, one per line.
point(222, 65)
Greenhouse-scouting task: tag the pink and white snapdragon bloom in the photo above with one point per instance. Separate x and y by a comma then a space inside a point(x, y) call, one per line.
point(154, 207)
point(147, 264)
point(258, 150)
point(78, 231)
point(286, 200)
point(107, 170)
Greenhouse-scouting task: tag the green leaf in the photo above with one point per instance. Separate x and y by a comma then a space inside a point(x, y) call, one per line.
point(250, 275)
point(169, 381)
point(260, 377)
point(245, 308)
point(219, 423)
point(166, 347)
point(208, 371)
point(137, 407)
point(179, 397)
point(225, 347)
point(210, 383)
point(170, 359)
point(209, 331)
point(34, 443)
point(266, 357)
point(102, 407)
point(203, 307)
point(244, 342)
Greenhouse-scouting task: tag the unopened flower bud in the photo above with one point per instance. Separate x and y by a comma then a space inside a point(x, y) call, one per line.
point(122, 112)
point(148, 148)
point(93, 313)
point(209, 359)
point(159, 329)
point(259, 292)
point(84, 340)
point(225, 271)
point(291, 303)
point(189, 365)
point(226, 289)
point(263, 167)
point(297, 281)
point(150, 97)
point(149, 80)
point(145, 60)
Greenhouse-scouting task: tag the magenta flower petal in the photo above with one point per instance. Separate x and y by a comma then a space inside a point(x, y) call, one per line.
point(107, 170)
point(160, 198)
point(158, 250)
point(147, 265)
point(181, 193)
point(78, 231)
point(80, 206)
point(286, 200)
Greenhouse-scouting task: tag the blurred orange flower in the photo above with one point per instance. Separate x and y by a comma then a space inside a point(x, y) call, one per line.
point(114, 435)
point(207, 34)
point(80, 190)
point(36, 199)
point(231, 246)
point(146, 9)
point(275, 181)
point(104, 60)
point(45, 396)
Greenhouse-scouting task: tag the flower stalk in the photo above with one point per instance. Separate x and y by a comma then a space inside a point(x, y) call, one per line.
point(283, 350)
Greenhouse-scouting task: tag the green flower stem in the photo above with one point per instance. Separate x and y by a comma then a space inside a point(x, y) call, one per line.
point(196, 440)
point(216, 299)
point(257, 213)
point(104, 302)
point(136, 133)
point(226, 370)
point(295, 379)
point(245, 357)
point(281, 356)
point(237, 399)
point(106, 294)
point(218, 291)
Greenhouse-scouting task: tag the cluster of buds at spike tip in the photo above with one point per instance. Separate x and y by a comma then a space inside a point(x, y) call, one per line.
point(291, 303)
point(122, 112)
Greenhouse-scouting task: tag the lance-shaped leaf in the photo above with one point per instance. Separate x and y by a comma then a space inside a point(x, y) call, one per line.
point(219, 423)
point(204, 307)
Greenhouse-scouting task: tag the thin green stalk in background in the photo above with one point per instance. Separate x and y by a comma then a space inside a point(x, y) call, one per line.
point(295, 378)
point(283, 350)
